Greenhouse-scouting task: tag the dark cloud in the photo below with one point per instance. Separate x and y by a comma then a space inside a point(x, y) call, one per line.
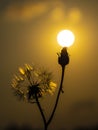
point(26, 10)
point(23, 11)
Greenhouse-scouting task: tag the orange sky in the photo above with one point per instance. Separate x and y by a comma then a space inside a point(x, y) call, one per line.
point(28, 31)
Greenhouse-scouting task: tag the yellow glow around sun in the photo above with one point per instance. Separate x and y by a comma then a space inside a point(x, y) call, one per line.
point(65, 38)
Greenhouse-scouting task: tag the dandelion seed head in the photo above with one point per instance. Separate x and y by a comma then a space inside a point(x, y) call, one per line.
point(32, 81)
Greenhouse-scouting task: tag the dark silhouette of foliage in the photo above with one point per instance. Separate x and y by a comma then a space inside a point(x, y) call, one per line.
point(32, 83)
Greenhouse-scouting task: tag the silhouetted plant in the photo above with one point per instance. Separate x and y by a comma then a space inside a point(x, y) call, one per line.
point(32, 83)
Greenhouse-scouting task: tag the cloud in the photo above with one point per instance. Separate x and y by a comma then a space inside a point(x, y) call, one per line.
point(24, 11)
point(57, 13)
point(75, 15)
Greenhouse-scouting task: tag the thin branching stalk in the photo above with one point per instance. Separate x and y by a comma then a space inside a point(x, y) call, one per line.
point(58, 95)
point(40, 108)
point(46, 123)
point(41, 111)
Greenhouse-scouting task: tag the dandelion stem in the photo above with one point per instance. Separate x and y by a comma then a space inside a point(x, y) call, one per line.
point(58, 95)
point(41, 111)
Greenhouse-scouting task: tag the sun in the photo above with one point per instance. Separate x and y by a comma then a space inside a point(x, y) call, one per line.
point(65, 38)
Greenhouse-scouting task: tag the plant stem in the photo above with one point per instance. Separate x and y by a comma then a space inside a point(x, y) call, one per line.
point(41, 111)
point(46, 123)
point(58, 95)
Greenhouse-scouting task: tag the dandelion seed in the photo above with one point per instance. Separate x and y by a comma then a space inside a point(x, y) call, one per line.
point(50, 91)
point(22, 71)
point(16, 77)
point(36, 74)
point(28, 67)
point(14, 83)
point(52, 84)
point(21, 78)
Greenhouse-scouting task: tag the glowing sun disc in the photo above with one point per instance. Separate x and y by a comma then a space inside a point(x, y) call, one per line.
point(65, 38)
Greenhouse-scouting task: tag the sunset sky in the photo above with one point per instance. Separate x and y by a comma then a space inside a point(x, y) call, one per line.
point(28, 31)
